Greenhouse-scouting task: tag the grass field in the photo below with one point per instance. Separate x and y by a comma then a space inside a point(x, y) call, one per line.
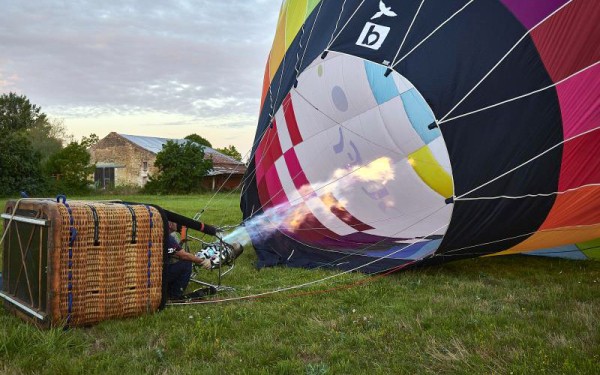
point(506, 315)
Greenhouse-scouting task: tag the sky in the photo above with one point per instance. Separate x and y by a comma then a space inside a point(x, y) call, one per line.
point(164, 68)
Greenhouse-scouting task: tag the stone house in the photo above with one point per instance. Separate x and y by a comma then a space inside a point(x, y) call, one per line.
point(123, 159)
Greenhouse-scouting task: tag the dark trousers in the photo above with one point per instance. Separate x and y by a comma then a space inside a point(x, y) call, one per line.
point(177, 278)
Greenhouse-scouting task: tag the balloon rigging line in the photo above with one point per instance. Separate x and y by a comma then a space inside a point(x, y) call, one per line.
point(296, 69)
point(282, 64)
point(430, 34)
point(407, 32)
point(317, 281)
point(365, 279)
point(529, 195)
point(309, 35)
point(331, 37)
point(272, 114)
point(550, 253)
point(520, 96)
point(528, 161)
point(501, 60)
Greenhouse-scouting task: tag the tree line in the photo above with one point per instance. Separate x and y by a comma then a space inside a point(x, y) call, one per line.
point(38, 158)
point(36, 155)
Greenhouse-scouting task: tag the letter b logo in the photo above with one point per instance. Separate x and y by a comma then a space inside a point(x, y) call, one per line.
point(372, 36)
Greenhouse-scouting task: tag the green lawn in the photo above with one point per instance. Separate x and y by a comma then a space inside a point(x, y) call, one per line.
point(512, 314)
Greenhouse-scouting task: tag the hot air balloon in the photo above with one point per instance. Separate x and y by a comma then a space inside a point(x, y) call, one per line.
point(416, 132)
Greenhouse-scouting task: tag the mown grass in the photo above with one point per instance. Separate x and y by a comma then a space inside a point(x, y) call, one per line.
point(513, 314)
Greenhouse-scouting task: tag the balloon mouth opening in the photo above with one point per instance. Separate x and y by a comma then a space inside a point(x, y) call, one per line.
point(355, 159)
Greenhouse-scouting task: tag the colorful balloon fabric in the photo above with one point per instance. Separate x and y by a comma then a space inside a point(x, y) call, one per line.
point(410, 132)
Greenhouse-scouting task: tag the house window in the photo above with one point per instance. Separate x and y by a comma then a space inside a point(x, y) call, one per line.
point(104, 177)
point(145, 166)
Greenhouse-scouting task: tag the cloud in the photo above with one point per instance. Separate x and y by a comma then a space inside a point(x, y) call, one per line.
point(199, 59)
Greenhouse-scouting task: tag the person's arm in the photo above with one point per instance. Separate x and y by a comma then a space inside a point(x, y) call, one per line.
point(184, 255)
point(191, 224)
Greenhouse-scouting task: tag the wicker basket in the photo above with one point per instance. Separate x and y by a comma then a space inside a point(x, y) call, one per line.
point(77, 263)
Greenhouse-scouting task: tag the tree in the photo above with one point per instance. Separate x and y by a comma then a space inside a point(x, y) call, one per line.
point(231, 151)
point(88, 142)
point(199, 140)
point(181, 167)
point(19, 165)
point(47, 137)
point(71, 167)
point(17, 113)
point(19, 162)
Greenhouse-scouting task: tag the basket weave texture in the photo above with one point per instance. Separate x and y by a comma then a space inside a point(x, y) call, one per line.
point(110, 266)
point(97, 261)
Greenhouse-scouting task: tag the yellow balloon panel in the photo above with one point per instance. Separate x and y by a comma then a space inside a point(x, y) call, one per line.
point(296, 14)
point(431, 172)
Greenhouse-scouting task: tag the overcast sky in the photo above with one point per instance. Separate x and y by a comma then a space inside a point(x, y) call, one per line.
point(147, 67)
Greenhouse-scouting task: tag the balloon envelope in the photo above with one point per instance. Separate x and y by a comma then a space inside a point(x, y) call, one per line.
point(417, 132)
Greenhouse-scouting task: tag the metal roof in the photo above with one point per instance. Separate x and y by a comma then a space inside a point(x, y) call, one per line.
point(155, 145)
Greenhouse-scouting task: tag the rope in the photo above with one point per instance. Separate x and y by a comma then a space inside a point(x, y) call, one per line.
point(430, 34)
point(528, 195)
point(311, 31)
point(501, 60)
point(333, 39)
point(527, 162)
point(313, 282)
point(520, 96)
point(407, 32)
point(336, 25)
